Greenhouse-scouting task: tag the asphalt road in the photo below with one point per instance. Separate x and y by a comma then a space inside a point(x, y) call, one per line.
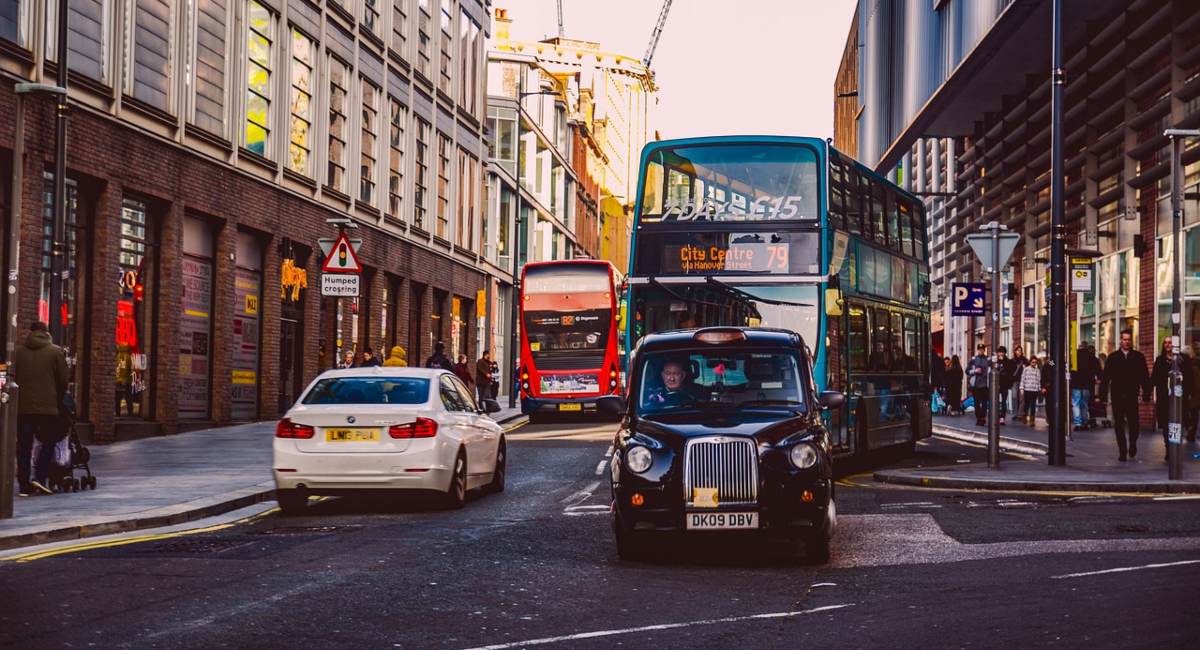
point(536, 565)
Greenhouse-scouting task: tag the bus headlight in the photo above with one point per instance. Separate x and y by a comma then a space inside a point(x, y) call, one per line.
point(638, 458)
point(803, 455)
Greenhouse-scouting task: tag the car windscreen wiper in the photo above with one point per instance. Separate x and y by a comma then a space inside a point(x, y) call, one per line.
point(750, 296)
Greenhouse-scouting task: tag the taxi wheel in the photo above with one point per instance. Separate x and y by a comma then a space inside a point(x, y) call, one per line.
point(816, 549)
point(501, 470)
point(456, 494)
point(291, 502)
point(630, 546)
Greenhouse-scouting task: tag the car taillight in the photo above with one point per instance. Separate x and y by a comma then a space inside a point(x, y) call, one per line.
point(421, 428)
point(288, 429)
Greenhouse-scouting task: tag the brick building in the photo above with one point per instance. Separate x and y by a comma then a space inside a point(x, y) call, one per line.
point(195, 201)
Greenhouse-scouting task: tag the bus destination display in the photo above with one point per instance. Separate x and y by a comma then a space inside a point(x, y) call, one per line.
point(767, 253)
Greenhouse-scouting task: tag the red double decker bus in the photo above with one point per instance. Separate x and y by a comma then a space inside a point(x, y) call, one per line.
point(569, 336)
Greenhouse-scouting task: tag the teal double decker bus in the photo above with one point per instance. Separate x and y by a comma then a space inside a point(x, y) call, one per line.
point(787, 232)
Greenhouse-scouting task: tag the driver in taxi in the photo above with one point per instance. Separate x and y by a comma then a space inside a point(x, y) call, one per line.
point(674, 389)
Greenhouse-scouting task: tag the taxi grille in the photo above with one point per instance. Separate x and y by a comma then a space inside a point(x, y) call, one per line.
point(728, 464)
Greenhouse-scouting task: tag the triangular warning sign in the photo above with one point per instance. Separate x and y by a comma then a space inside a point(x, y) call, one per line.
point(342, 258)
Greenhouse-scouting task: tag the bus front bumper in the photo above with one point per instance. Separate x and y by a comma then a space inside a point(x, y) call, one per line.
point(531, 405)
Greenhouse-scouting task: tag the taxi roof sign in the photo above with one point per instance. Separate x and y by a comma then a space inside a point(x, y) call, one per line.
point(342, 258)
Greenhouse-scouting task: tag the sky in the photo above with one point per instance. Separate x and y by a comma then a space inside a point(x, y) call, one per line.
point(724, 67)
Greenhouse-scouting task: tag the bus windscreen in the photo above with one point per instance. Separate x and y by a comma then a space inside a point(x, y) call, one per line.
point(731, 182)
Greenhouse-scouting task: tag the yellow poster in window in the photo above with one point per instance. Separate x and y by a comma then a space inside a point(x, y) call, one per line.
point(251, 305)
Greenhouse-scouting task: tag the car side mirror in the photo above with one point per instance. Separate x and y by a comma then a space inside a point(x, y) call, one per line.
point(831, 399)
point(491, 406)
point(612, 405)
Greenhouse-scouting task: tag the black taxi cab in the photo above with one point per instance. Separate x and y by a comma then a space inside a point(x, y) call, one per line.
point(722, 433)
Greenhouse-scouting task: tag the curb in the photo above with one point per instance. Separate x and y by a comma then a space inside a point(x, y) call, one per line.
point(899, 477)
point(1007, 443)
point(173, 515)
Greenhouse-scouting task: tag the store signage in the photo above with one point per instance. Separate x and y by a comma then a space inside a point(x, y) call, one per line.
point(291, 280)
point(968, 299)
point(342, 258)
point(1081, 275)
point(339, 285)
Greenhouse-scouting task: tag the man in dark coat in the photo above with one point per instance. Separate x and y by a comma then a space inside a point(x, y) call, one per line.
point(439, 359)
point(483, 376)
point(1006, 369)
point(42, 376)
point(977, 379)
point(1083, 381)
point(1162, 394)
point(1124, 375)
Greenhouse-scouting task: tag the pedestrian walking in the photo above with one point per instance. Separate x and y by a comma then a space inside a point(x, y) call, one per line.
point(977, 374)
point(1031, 387)
point(1083, 382)
point(954, 385)
point(1124, 375)
point(397, 358)
point(439, 359)
point(1005, 377)
point(937, 374)
point(42, 376)
point(1020, 363)
point(483, 376)
point(1162, 394)
point(1193, 412)
point(463, 372)
point(495, 380)
point(369, 360)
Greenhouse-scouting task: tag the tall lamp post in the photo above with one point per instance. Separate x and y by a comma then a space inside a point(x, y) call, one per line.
point(1056, 406)
point(1175, 378)
point(514, 317)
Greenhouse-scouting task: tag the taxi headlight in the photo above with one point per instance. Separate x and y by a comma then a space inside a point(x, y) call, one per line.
point(637, 459)
point(803, 455)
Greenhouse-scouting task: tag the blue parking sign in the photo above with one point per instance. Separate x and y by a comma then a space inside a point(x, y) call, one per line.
point(968, 299)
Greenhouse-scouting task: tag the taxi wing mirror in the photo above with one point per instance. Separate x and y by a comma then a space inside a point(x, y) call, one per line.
point(831, 399)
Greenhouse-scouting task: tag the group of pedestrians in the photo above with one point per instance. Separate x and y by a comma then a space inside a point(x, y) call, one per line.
point(1096, 383)
point(483, 379)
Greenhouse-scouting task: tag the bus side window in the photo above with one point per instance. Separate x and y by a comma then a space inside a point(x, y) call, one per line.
point(857, 335)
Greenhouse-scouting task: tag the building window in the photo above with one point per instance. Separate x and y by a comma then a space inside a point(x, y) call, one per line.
point(370, 130)
point(300, 148)
point(135, 333)
point(396, 158)
point(424, 41)
point(87, 37)
point(209, 69)
point(400, 28)
point(446, 46)
point(443, 186)
point(148, 68)
point(247, 330)
point(477, 63)
point(422, 175)
point(258, 78)
point(13, 21)
point(465, 89)
point(502, 122)
point(195, 320)
point(338, 80)
point(370, 16)
point(464, 234)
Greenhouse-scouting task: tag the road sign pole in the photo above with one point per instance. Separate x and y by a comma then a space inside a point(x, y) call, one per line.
point(1056, 405)
point(994, 387)
point(1175, 377)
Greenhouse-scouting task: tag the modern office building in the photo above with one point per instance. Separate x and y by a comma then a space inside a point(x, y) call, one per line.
point(954, 102)
point(208, 143)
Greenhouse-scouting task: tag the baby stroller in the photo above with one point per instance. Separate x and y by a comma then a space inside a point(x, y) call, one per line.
point(71, 455)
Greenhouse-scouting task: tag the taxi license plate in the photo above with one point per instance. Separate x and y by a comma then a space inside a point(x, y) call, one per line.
point(722, 520)
point(570, 407)
point(351, 435)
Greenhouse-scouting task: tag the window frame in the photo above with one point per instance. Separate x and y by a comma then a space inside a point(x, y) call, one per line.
point(249, 88)
point(368, 141)
point(397, 132)
point(305, 168)
point(338, 129)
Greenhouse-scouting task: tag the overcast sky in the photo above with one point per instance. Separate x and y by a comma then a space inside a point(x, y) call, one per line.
point(723, 66)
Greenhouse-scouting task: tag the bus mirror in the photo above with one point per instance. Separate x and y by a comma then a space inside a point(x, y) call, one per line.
point(833, 301)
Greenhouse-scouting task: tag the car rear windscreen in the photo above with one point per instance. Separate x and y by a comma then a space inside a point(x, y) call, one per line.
point(368, 390)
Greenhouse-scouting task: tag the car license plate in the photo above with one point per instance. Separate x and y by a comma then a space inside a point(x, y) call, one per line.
point(570, 407)
point(351, 435)
point(722, 520)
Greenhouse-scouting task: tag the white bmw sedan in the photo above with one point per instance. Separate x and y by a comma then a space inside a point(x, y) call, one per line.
point(368, 429)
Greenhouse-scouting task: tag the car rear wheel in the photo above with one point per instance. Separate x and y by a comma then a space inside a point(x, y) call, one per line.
point(501, 470)
point(291, 502)
point(456, 493)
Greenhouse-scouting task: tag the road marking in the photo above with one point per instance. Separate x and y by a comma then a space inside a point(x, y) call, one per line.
point(88, 546)
point(1125, 569)
point(575, 498)
point(1187, 497)
point(600, 467)
point(823, 584)
point(657, 628)
point(609, 453)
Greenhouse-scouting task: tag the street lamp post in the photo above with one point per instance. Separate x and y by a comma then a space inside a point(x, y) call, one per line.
point(1056, 407)
point(514, 313)
point(1175, 377)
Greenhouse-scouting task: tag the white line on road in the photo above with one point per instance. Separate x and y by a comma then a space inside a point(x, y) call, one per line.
point(1125, 569)
point(655, 628)
point(1186, 497)
point(600, 467)
point(582, 495)
point(608, 454)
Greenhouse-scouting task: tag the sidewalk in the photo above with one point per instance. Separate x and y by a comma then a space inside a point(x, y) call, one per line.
point(1092, 463)
point(159, 481)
